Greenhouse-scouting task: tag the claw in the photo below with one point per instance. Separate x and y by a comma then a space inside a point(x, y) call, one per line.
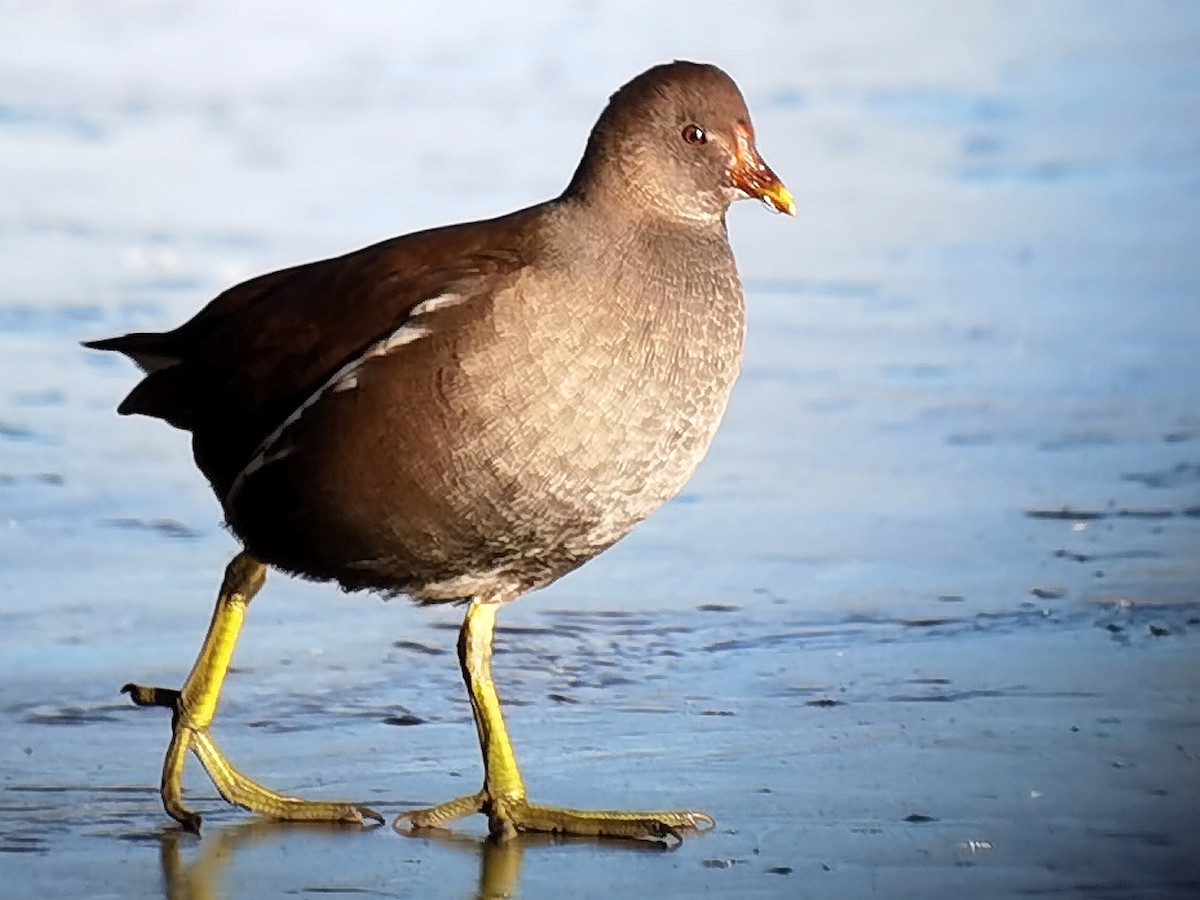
point(362, 813)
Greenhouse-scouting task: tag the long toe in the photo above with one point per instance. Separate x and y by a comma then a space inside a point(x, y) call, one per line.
point(505, 819)
point(249, 794)
point(439, 816)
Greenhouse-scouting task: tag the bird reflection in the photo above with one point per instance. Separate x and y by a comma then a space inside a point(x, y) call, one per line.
point(200, 878)
point(500, 861)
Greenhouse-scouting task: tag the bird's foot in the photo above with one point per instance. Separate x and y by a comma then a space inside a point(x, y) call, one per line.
point(231, 784)
point(509, 815)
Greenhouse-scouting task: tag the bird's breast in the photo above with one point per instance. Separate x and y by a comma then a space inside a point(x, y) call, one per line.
point(606, 406)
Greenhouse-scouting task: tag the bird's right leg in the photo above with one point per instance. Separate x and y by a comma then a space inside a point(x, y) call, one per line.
point(502, 798)
point(194, 706)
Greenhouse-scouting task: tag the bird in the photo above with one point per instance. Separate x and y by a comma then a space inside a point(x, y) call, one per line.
point(467, 413)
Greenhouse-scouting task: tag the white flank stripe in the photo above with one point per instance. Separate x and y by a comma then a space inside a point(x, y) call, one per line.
point(435, 303)
point(405, 334)
point(344, 379)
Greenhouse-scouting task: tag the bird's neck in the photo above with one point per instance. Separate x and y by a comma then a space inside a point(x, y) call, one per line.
point(621, 193)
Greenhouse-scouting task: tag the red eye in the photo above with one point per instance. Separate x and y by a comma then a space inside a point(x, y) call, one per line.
point(694, 134)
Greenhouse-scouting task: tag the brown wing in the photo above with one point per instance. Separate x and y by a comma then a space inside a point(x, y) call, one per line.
point(257, 351)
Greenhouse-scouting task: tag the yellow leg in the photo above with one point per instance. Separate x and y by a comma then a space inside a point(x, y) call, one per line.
point(193, 709)
point(502, 798)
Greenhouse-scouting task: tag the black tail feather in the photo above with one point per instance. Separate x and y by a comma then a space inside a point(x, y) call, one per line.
point(149, 350)
point(166, 391)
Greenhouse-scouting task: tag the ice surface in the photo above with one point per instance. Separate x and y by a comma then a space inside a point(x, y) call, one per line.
point(988, 306)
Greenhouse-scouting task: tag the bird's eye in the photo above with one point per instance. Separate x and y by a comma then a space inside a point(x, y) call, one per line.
point(694, 134)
